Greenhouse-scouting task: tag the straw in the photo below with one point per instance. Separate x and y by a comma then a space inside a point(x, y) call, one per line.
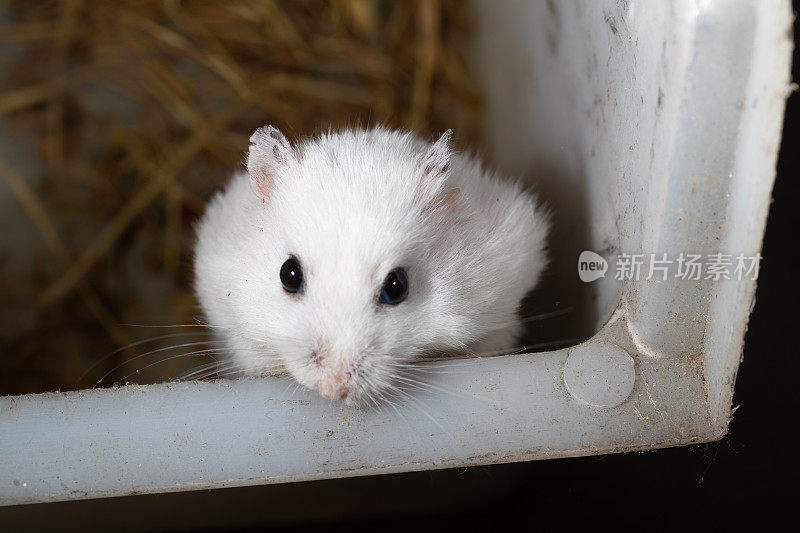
point(130, 114)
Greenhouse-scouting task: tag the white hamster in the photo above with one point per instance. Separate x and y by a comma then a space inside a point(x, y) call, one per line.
point(347, 256)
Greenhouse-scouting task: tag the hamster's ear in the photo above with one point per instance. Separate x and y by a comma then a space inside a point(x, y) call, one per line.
point(269, 150)
point(436, 163)
point(437, 160)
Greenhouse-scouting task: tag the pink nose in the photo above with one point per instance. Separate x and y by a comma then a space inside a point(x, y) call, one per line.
point(333, 391)
point(334, 385)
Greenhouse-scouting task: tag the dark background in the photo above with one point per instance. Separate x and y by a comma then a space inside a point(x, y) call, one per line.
point(746, 479)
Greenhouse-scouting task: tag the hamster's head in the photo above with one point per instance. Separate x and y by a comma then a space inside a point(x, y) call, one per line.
point(344, 282)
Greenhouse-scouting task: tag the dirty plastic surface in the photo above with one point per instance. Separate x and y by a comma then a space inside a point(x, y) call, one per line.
point(666, 119)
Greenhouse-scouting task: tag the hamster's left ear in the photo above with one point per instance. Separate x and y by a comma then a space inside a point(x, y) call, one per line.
point(435, 166)
point(269, 151)
point(437, 160)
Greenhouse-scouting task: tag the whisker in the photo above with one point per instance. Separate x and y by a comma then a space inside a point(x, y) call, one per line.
point(528, 319)
point(206, 374)
point(291, 384)
point(547, 315)
point(197, 324)
point(215, 366)
point(419, 407)
point(137, 343)
point(430, 387)
point(227, 373)
point(522, 349)
point(424, 367)
point(186, 345)
point(190, 354)
point(166, 326)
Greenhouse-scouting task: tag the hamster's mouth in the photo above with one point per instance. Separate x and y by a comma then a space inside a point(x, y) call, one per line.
point(333, 389)
point(335, 383)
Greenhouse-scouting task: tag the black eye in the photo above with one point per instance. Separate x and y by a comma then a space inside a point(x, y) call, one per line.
point(395, 288)
point(292, 275)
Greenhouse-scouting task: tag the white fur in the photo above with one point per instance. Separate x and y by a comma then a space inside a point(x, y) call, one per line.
point(352, 206)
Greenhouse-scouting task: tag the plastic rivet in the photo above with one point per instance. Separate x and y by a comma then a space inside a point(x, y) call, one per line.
point(599, 374)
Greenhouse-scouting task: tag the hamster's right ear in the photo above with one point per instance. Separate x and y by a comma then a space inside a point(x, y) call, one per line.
point(269, 150)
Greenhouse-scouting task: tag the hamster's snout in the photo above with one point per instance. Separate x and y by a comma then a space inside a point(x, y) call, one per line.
point(334, 386)
point(334, 378)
